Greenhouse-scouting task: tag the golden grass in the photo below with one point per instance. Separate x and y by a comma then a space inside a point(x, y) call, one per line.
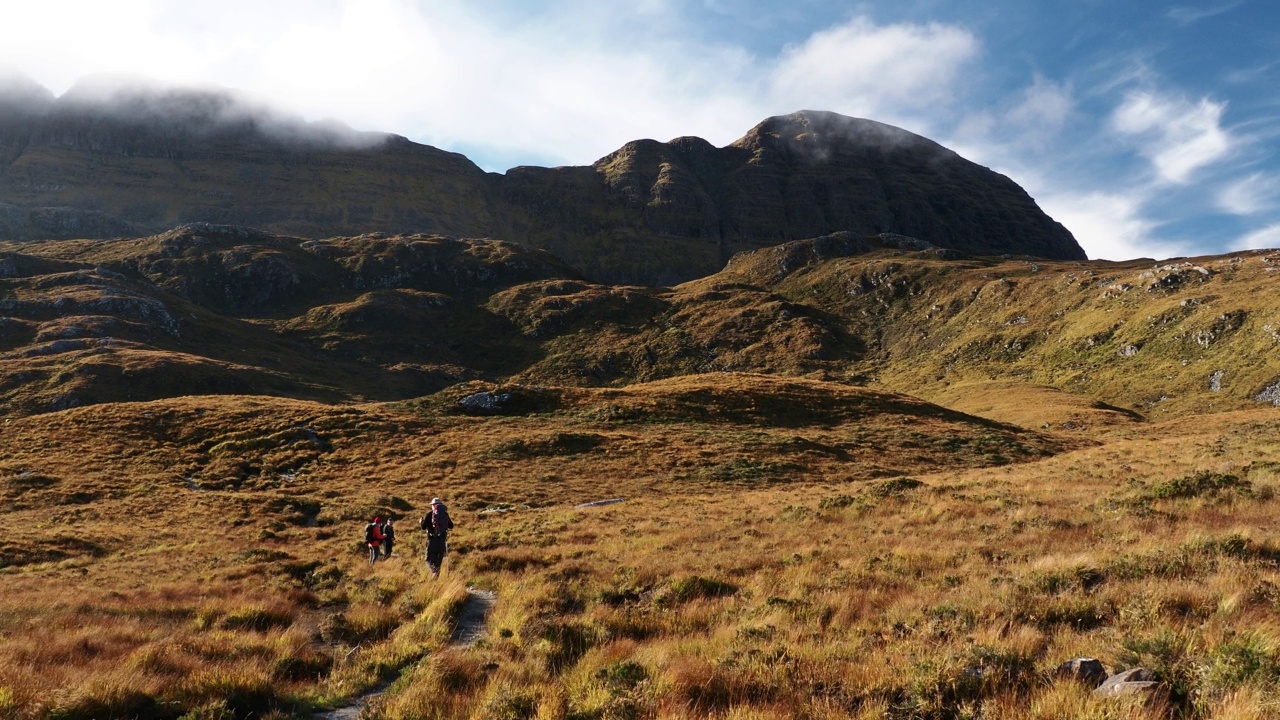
point(206, 557)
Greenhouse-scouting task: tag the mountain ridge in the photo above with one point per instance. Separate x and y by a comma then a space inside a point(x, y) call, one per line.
point(119, 159)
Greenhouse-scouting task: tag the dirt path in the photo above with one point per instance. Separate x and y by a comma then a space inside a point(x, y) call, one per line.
point(471, 627)
point(471, 621)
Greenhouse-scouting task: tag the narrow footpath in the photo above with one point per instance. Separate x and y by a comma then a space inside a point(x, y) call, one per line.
point(472, 625)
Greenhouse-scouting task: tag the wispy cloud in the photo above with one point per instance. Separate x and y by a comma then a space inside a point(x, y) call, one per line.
point(1177, 135)
point(1265, 238)
point(1191, 14)
point(1255, 194)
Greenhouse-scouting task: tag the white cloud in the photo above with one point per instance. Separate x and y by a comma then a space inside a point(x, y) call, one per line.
point(1265, 238)
point(1178, 136)
point(1045, 106)
point(570, 84)
point(1255, 194)
point(569, 81)
point(1109, 226)
point(870, 70)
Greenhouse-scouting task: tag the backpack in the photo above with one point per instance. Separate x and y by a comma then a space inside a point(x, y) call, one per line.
point(369, 537)
point(437, 522)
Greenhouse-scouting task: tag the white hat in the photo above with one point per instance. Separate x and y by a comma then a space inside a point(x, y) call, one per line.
point(435, 501)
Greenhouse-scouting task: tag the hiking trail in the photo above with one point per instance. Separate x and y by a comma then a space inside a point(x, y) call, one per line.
point(472, 620)
point(471, 627)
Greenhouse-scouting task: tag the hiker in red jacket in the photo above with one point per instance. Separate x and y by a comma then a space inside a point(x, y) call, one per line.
point(373, 538)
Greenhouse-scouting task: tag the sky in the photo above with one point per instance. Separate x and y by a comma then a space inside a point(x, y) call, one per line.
point(1148, 128)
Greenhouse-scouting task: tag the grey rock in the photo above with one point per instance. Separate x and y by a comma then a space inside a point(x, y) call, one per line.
point(1270, 394)
point(485, 401)
point(600, 503)
point(1215, 381)
point(1086, 670)
point(1137, 681)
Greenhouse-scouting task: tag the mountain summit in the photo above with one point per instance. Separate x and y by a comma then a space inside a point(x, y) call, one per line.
point(117, 158)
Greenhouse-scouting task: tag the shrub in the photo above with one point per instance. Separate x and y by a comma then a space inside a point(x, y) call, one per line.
point(695, 586)
point(1171, 656)
point(623, 675)
point(894, 487)
point(837, 502)
point(1241, 659)
point(505, 702)
point(1199, 484)
point(746, 470)
point(257, 617)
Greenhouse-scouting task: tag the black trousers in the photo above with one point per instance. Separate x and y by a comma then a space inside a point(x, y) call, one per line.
point(436, 545)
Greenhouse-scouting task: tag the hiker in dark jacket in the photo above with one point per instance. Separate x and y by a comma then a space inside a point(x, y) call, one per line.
point(437, 524)
point(388, 538)
point(373, 538)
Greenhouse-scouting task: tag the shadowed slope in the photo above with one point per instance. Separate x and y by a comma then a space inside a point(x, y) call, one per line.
point(114, 158)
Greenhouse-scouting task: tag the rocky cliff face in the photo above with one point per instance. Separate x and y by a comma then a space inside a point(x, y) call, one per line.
point(118, 159)
point(150, 159)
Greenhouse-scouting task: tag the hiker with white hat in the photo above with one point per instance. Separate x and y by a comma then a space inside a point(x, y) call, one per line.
point(437, 525)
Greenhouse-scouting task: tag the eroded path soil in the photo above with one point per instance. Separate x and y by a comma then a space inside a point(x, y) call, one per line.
point(472, 625)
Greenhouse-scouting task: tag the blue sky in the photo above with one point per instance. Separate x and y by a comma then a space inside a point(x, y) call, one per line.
point(1148, 128)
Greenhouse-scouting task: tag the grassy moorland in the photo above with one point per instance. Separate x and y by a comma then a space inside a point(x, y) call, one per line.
point(787, 548)
point(860, 481)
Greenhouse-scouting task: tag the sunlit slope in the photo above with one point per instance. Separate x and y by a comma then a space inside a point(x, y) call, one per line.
point(1160, 338)
point(221, 310)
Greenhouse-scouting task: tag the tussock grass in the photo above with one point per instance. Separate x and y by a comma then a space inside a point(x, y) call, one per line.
point(894, 567)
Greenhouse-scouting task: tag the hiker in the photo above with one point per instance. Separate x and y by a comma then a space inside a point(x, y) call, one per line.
point(373, 538)
point(388, 538)
point(437, 524)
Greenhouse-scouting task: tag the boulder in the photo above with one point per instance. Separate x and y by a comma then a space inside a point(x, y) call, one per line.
point(485, 402)
point(1086, 670)
point(1269, 394)
point(1137, 681)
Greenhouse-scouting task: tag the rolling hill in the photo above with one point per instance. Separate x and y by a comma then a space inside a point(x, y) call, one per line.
point(225, 310)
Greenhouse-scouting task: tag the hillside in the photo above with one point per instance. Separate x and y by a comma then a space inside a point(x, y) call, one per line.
point(110, 159)
point(216, 309)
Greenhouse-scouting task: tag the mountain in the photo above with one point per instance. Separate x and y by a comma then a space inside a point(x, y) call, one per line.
point(114, 158)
